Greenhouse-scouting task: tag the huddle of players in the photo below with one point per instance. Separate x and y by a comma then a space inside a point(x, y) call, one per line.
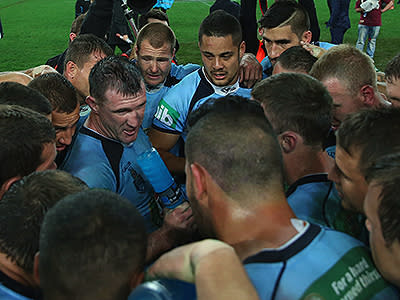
point(236, 163)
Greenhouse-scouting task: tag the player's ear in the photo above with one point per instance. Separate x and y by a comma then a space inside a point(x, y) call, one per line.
point(92, 103)
point(307, 36)
point(198, 180)
point(242, 48)
point(7, 184)
point(288, 141)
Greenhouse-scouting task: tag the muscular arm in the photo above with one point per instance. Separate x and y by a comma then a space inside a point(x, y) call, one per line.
point(164, 142)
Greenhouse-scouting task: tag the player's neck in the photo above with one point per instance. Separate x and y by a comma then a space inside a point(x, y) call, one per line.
point(264, 226)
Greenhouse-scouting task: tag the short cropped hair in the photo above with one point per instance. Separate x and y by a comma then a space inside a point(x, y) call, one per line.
point(157, 34)
point(13, 93)
point(83, 46)
point(23, 135)
point(115, 73)
point(221, 24)
point(77, 24)
point(347, 64)
point(91, 244)
point(22, 209)
point(392, 71)
point(296, 102)
point(286, 12)
point(58, 90)
point(385, 172)
point(233, 140)
point(372, 132)
point(152, 14)
point(297, 59)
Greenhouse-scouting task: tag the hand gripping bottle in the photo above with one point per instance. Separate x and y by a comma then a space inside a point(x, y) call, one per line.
point(160, 178)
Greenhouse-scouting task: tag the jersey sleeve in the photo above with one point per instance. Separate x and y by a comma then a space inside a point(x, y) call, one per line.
point(173, 108)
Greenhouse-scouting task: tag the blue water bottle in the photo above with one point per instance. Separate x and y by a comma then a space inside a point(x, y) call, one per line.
point(160, 178)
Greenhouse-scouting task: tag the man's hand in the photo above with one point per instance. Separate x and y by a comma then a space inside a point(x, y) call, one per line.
point(250, 70)
point(39, 70)
point(314, 50)
point(179, 222)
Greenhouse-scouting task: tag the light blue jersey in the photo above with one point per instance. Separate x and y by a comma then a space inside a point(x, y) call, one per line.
point(153, 96)
point(185, 97)
point(105, 163)
point(318, 263)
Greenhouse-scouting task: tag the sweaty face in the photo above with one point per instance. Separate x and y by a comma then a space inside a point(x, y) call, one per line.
point(277, 40)
point(47, 158)
point(65, 125)
point(221, 59)
point(349, 181)
point(393, 91)
point(153, 63)
point(386, 257)
point(81, 78)
point(344, 102)
point(121, 116)
point(200, 213)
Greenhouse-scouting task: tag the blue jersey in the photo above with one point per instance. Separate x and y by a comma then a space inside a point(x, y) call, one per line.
point(153, 96)
point(11, 289)
point(314, 198)
point(105, 163)
point(188, 95)
point(318, 263)
point(7, 294)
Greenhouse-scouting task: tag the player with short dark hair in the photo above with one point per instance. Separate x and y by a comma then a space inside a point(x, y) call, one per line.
point(221, 47)
point(382, 208)
point(92, 246)
point(28, 144)
point(360, 143)
point(14, 93)
point(65, 105)
point(235, 186)
point(295, 59)
point(22, 210)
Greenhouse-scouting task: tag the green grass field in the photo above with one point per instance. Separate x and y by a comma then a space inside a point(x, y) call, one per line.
point(38, 29)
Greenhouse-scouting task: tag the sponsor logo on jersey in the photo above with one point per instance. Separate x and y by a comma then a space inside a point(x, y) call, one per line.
point(166, 114)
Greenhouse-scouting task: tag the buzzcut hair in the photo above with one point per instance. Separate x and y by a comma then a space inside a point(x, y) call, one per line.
point(58, 90)
point(392, 70)
point(297, 59)
point(157, 34)
point(152, 14)
point(115, 73)
point(22, 209)
point(23, 135)
point(385, 172)
point(349, 65)
point(286, 12)
point(221, 24)
point(296, 102)
point(83, 46)
point(91, 244)
point(13, 93)
point(371, 132)
point(233, 140)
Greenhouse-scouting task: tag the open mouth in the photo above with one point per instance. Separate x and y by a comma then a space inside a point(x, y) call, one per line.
point(60, 148)
point(130, 132)
point(219, 76)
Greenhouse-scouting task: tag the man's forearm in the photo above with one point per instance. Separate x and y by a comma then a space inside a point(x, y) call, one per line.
point(175, 164)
